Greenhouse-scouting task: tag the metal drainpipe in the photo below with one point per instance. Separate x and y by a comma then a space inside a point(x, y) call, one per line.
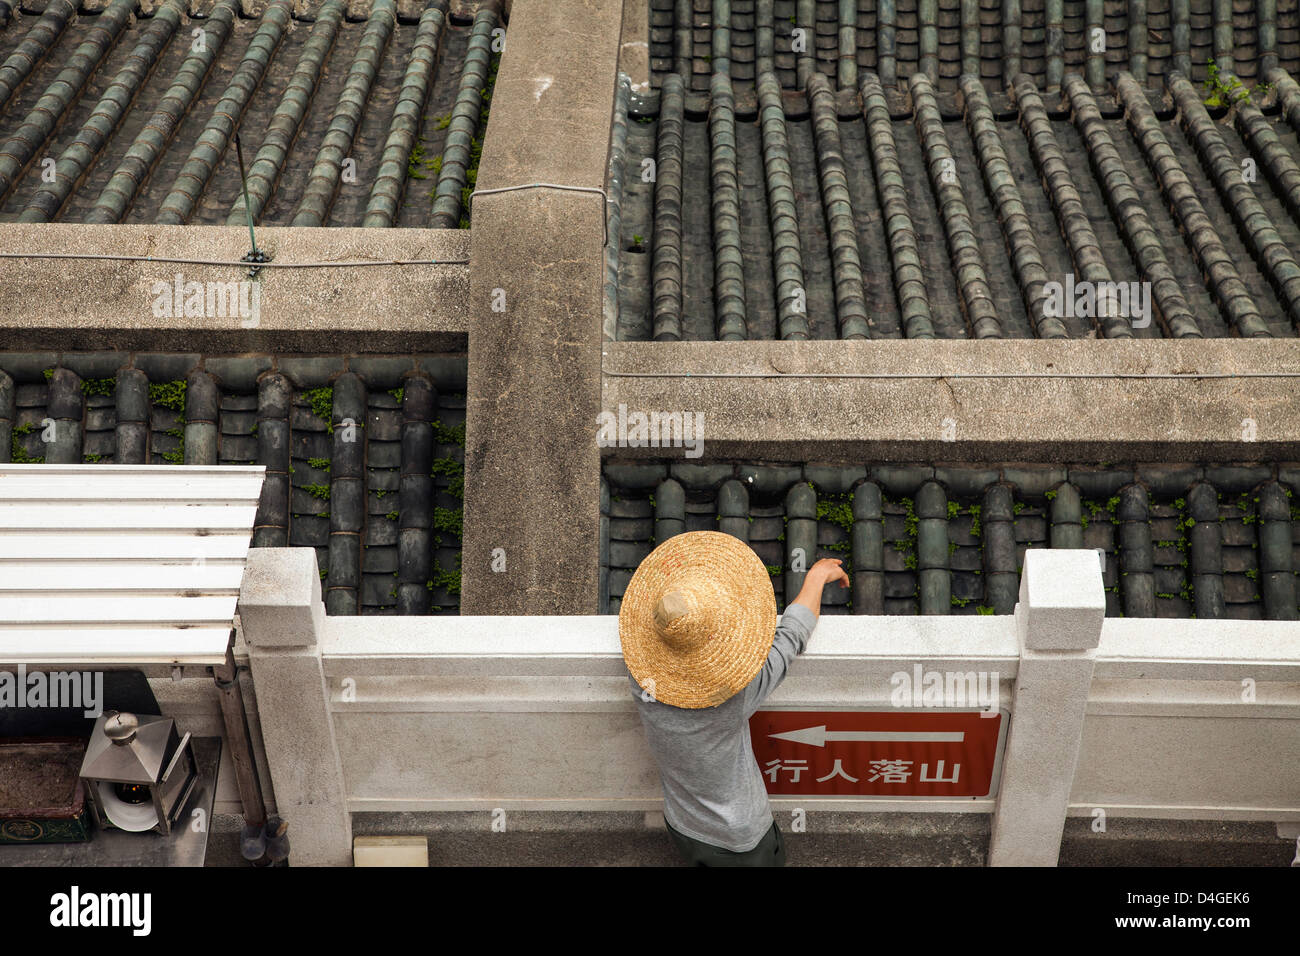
point(262, 841)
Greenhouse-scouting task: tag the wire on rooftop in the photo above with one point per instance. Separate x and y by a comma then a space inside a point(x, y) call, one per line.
point(340, 264)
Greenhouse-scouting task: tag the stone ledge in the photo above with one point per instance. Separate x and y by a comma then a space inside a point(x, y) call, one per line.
point(922, 407)
point(110, 304)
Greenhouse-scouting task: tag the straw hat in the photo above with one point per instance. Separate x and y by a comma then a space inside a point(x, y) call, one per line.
point(697, 619)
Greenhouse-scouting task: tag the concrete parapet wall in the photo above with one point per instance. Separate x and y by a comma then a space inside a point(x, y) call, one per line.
point(967, 400)
point(79, 304)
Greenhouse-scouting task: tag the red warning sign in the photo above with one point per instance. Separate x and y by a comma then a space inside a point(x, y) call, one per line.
point(935, 753)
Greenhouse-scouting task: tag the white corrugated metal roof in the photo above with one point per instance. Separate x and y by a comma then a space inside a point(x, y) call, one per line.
point(128, 564)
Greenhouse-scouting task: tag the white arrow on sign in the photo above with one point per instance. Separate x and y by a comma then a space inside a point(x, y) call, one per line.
point(819, 736)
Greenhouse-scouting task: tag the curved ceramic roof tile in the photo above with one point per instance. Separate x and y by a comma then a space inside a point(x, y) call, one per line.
point(996, 40)
point(381, 512)
point(1177, 541)
point(323, 180)
point(457, 154)
point(35, 45)
point(404, 128)
point(850, 300)
point(212, 143)
point(159, 129)
point(20, 147)
point(1262, 237)
point(728, 256)
point(268, 164)
point(1210, 252)
point(963, 246)
point(1002, 185)
point(139, 123)
point(900, 234)
point(1127, 208)
point(667, 267)
point(112, 106)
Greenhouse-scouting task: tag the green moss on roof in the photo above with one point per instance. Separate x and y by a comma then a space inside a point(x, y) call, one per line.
point(169, 395)
point(450, 520)
point(321, 401)
point(17, 453)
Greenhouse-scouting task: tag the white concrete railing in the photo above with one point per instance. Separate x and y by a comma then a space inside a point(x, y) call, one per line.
point(1150, 718)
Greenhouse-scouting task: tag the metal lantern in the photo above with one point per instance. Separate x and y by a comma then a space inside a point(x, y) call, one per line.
point(138, 772)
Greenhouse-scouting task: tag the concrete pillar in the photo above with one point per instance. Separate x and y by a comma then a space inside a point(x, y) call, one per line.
point(532, 465)
point(282, 615)
point(1058, 620)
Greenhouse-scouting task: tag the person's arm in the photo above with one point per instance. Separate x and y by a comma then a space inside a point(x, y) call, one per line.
point(793, 630)
point(819, 575)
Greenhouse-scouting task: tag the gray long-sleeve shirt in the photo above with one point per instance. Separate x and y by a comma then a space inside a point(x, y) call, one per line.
point(713, 789)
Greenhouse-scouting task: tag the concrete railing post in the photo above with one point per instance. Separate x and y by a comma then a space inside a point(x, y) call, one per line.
point(282, 615)
point(1058, 620)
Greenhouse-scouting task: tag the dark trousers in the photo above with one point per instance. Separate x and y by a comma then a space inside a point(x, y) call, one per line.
point(769, 852)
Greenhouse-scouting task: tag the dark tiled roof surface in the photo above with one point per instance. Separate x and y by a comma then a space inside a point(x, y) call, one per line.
point(939, 206)
point(381, 504)
point(107, 118)
point(992, 39)
point(1181, 540)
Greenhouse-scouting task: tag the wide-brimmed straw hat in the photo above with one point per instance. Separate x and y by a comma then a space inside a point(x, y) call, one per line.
point(697, 619)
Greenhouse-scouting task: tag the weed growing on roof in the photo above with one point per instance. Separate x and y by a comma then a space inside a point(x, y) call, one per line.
point(959, 602)
point(448, 580)
point(17, 453)
point(415, 162)
point(169, 395)
point(318, 491)
point(450, 520)
point(1228, 92)
point(444, 435)
point(837, 510)
point(177, 455)
point(98, 386)
point(397, 393)
point(323, 464)
point(773, 569)
point(321, 401)
point(454, 471)
point(391, 516)
point(983, 609)
point(92, 459)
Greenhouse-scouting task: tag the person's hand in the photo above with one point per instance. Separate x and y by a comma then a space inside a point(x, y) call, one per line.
point(828, 570)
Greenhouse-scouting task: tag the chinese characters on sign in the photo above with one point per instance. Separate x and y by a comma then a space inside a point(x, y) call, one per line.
point(890, 753)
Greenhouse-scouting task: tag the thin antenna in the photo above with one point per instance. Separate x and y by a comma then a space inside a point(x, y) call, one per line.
point(254, 255)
